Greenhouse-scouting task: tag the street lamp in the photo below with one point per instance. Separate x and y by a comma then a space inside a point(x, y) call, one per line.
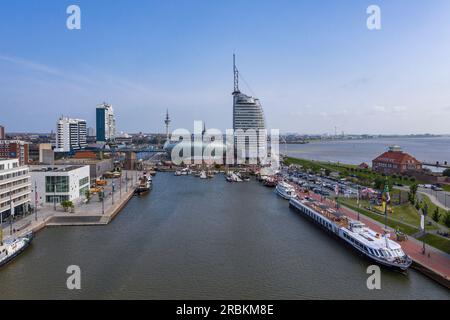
point(112, 191)
point(103, 201)
point(35, 201)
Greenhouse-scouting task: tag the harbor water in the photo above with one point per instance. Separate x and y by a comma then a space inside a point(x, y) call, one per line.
point(203, 239)
point(428, 149)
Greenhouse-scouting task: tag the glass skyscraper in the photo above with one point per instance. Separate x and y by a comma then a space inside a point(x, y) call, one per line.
point(105, 123)
point(248, 122)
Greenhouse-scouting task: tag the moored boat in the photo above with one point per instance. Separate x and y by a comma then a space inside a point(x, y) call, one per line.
point(145, 184)
point(270, 182)
point(378, 248)
point(285, 190)
point(11, 248)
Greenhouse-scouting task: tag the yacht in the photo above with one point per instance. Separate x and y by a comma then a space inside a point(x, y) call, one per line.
point(285, 190)
point(145, 184)
point(233, 177)
point(11, 248)
point(377, 247)
point(203, 175)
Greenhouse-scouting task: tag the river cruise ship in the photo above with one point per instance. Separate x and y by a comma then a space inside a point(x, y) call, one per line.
point(377, 247)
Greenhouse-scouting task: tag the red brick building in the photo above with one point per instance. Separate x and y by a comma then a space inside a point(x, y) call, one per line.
point(395, 161)
point(15, 149)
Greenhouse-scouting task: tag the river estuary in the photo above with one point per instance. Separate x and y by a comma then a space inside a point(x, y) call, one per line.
point(202, 239)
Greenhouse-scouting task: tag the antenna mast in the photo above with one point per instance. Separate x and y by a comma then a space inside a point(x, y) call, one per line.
point(236, 76)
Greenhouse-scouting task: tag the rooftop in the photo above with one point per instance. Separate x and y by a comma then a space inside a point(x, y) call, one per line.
point(54, 168)
point(396, 157)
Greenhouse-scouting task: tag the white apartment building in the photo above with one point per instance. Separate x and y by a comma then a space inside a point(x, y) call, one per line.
point(14, 187)
point(54, 184)
point(70, 134)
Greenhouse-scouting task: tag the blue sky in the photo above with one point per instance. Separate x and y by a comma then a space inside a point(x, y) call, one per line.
point(313, 63)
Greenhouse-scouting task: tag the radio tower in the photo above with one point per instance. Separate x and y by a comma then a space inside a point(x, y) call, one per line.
point(167, 122)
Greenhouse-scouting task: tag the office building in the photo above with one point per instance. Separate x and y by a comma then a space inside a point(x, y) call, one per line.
point(59, 183)
point(2, 133)
point(14, 187)
point(106, 123)
point(248, 122)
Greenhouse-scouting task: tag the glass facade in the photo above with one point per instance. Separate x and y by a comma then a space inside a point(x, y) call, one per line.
point(84, 181)
point(56, 199)
point(61, 184)
point(100, 119)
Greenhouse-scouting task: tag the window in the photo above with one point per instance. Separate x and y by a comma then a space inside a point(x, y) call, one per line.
point(83, 191)
point(57, 199)
point(61, 184)
point(84, 181)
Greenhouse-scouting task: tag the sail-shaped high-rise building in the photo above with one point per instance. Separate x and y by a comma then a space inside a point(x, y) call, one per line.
point(248, 122)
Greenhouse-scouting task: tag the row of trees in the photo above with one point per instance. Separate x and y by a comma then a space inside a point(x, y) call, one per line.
point(436, 215)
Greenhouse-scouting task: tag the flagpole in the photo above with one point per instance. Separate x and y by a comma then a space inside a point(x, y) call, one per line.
point(386, 200)
point(10, 211)
point(35, 201)
point(1, 228)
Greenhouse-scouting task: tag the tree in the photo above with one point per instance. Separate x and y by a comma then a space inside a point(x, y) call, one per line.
point(412, 193)
point(379, 183)
point(436, 215)
point(446, 173)
point(417, 205)
point(87, 194)
point(447, 219)
point(66, 204)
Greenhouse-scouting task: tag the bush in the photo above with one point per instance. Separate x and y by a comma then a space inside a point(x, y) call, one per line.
point(436, 215)
point(446, 173)
point(447, 219)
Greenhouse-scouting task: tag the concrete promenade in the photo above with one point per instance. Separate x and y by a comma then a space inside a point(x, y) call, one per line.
point(434, 263)
point(93, 213)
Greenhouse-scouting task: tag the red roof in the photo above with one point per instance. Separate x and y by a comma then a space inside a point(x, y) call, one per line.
point(396, 157)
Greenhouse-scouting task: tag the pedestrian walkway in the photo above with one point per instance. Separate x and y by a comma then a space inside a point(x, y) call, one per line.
point(94, 212)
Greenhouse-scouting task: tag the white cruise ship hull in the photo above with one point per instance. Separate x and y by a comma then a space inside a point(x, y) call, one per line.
point(21, 244)
point(338, 232)
point(282, 193)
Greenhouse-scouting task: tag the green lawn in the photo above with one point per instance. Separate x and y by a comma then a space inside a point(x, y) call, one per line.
point(404, 213)
point(432, 207)
point(408, 213)
point(437, 242)
point(351, 203)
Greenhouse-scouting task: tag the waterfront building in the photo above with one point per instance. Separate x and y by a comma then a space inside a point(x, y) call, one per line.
point(15, 149)
point(395, 161)
point(248, 116)
point(124, 138)
point(106, 122)
point(97, 167)
point(14, 187)
point(70, 134)
point(52, 185)
point(2, 133)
